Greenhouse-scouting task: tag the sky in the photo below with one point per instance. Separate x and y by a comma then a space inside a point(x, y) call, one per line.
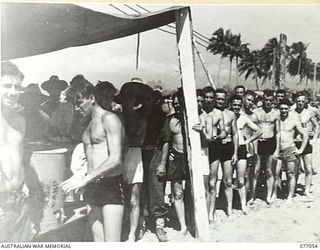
point(114, 60)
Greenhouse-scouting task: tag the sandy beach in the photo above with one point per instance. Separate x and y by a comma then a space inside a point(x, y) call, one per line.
point(279, 222)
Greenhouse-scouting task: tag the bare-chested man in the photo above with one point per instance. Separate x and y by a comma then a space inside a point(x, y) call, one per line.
point(224, 149)
point(104, 145)
point(289, 125)
point(15, 223)
point(308, 122)
point(243, 122)
point(209, 123)
point(173, 161)
point(268, 144)
point(252, 148)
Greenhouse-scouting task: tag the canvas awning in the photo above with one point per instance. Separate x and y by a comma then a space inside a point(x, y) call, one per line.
point(29, 29)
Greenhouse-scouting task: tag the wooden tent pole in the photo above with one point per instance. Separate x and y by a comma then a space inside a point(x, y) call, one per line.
point(185, 53)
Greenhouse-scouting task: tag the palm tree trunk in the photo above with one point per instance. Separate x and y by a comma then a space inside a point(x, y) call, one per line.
point(299, 68)
point(230, 72)
point(219, 69)
point(237, 71)
point(256, 79)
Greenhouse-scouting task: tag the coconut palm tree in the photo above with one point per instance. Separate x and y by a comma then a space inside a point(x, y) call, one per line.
point(217, 44)
point(237, 50)
point(250, 64)
point(298, 53)
point(270, 60)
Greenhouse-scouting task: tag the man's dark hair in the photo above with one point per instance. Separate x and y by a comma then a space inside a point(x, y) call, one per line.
point(301, 93)
point(284, 101)
point(8, 68)
point(235, 97)
point(104, 94)
point(200, 92)
point(208, 89)
point(267, 93)
point(221, 91)
point(281, 91)
point(240, 87)
point(79, 85)
point(250, 92)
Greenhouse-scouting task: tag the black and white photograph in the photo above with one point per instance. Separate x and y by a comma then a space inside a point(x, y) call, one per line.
point(140, 122)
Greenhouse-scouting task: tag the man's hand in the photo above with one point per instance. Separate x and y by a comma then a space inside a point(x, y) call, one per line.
point(161, 170)
point(73, 183)
point(234, 159)
point(197, 127)
point(276, 155)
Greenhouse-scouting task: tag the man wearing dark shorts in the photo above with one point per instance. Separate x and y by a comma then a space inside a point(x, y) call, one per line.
point(268, 144)
point(308, 121)
point(224, 151)
point(105, 146)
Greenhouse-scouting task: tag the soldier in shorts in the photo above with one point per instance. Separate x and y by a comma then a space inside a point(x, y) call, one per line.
point(268, 119)
point(223, 149)
point(105, 146)
point(308, 121)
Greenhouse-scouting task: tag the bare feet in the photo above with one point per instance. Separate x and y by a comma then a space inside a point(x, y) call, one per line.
point(245, 210)
point(269, 201)
point(309, 195)
point(183, 231)
point(229, 212)
point(131, 238)
point(250, 202)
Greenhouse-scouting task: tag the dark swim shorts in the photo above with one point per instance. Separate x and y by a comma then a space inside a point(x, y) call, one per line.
point(242, 152)
point(176, 166)
point(267, 146)
point(222, 151)
point(104, 191)
point(308, 148)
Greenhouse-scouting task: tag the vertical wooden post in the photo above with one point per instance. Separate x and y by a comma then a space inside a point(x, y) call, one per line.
point(314, 80)
point(185, 53)
point(283, 58)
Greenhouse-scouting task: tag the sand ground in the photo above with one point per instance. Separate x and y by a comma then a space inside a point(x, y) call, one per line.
point(280, 222)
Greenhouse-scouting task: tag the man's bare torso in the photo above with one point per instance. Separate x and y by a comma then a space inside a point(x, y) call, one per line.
point(267, 121)
point(11, 170)
point(96, 143)
point(177, 138)
point(287, 130)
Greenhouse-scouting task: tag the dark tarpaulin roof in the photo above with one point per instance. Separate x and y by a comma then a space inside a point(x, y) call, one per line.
point(29, 29)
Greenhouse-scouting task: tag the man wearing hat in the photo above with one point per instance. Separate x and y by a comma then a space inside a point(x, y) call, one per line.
point(37, 121)
point(53, 86)
point(136, 99)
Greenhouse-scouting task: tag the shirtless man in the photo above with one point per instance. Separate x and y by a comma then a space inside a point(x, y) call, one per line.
point(224, 149)
point(243, 121)
point(252, 148)
point(173, 161)
point(104, 145)
point(208, 104)
point(308, 122)
point(268, 120)
point(289, 153)
point(240, 90)
point(15, 223)
point(209, 131)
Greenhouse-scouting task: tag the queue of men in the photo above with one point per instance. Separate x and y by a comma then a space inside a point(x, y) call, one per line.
point(133, 142)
